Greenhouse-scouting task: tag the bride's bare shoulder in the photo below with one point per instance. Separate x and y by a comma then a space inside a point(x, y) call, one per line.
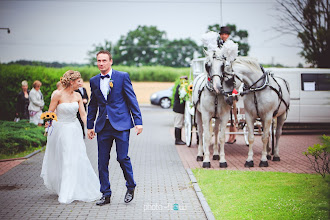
point(77, 96)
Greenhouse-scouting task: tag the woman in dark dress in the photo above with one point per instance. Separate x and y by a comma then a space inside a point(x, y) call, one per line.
point(22, 111)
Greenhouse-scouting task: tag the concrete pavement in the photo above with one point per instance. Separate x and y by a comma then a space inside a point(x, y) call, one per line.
point(164, 190)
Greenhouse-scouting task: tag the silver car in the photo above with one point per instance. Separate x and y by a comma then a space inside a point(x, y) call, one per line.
point(162, 98)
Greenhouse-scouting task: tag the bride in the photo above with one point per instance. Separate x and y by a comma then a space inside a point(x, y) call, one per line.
point(66, 169)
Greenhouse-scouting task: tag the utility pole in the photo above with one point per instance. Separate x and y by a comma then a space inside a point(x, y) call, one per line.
point(8, 30)
point(221, 13)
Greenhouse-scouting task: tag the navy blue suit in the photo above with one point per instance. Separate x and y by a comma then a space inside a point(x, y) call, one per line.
point(116, 116)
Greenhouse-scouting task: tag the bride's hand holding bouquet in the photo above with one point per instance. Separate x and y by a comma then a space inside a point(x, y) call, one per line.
point(48, 117)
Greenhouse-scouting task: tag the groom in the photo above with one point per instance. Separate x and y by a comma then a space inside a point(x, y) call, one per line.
point(113, 96)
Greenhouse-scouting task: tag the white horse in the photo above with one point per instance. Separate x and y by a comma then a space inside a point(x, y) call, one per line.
point(210, 94)
point(265, 97)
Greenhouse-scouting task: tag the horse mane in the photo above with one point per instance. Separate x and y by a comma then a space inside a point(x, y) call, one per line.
point(251, 62)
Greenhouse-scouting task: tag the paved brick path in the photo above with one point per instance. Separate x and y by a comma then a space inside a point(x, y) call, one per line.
point(291, 154)
point(8, 165)
point(162, 182)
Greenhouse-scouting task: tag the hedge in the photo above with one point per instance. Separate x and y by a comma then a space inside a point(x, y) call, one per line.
point(13, 74)
point(16, 137)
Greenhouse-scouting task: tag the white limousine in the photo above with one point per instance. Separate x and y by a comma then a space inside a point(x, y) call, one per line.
point(310, 94)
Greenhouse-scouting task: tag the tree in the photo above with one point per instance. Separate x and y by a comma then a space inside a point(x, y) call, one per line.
point(92, 54)
point(238, 36)
point(309, 21)
point(149, 46)
point(178, 53)
point(140, 47)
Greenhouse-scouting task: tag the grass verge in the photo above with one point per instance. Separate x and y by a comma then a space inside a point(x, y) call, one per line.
point(20, 154)
point(264, 195)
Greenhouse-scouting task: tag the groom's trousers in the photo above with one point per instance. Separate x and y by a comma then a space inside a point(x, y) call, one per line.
point(105, 140)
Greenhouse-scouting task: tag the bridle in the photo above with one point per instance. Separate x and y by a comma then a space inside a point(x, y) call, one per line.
point(225, 77)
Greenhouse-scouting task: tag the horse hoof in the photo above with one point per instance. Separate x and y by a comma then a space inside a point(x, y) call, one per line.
point(276, 159)
point(263, 164)
point(216, 157)
point(249, 164)
point(206, 164)
point(199, 158)
point(223, 165)
point(269, 157)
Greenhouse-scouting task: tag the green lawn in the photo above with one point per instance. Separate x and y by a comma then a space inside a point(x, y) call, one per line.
point(264, 195)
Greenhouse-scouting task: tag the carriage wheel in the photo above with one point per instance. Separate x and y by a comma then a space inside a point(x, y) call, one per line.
point(188, 127)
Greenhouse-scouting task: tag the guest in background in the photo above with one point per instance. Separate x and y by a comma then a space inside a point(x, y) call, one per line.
point(178, 109)
point(82, 91)
point(59, 87)
point(22, 104)
point(36, 103)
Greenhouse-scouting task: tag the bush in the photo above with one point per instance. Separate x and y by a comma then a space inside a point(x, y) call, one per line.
point(19, 136)
point(12, 75)
point(318, 155)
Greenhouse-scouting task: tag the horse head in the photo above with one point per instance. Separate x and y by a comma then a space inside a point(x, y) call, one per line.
point(213, 67)
point(230, 82)
point(220, 76)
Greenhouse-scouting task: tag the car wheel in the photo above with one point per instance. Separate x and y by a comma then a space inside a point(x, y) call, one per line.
point(165, 102)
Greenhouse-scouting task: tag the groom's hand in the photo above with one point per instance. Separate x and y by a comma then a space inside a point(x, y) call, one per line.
point(90, 133)
point(138, 129)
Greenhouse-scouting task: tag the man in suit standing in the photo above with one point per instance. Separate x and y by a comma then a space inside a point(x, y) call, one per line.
point(82, 91)
point(113, 95)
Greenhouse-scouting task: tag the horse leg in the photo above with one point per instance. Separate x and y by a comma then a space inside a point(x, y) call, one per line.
point(280, 123)
point(206, 140)
point(216, 135)
point(267, 121)
point(250, 125)
point(222, 136)
point(200, 134)
point(269, 148)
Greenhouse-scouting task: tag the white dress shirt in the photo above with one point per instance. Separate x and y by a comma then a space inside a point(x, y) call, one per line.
point(104, 85)
point(81, 89)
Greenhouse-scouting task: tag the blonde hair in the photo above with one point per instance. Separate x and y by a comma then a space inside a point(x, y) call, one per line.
point(24, 83)
point(36, 84)
point(68, 76)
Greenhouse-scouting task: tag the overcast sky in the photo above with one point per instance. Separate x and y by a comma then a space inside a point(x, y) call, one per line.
point(64, 30)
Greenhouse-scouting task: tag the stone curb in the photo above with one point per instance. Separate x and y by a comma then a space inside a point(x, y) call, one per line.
point(22, 158)
point(202, 200)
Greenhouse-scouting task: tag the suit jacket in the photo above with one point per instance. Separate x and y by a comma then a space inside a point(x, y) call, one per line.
point(121, 105)
point(177, 106)
point(36, 101)
point(22, 105)
point(84, 96)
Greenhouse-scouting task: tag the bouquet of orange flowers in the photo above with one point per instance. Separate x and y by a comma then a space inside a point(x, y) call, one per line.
point(48, 116)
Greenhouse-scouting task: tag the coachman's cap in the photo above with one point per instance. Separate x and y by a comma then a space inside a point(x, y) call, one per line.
point(224, 30)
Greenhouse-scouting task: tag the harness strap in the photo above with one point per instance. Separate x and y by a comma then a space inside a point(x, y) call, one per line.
point(256, 104)
point(279, 94)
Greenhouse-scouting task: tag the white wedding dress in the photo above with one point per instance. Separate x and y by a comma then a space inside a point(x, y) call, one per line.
point(66, 169)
